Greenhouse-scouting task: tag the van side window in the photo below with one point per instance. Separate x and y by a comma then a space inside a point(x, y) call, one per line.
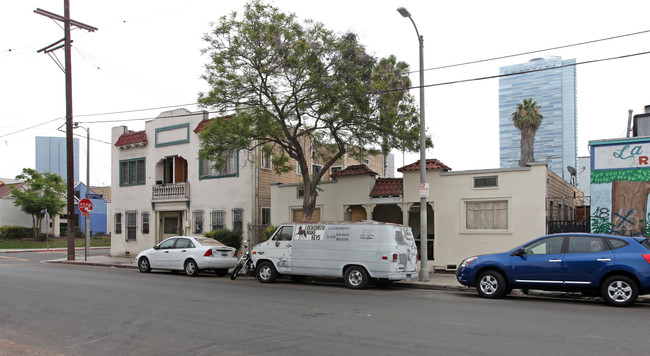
point(284, 234)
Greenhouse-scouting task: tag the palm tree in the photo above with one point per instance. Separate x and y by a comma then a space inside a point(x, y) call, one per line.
point(527, 119)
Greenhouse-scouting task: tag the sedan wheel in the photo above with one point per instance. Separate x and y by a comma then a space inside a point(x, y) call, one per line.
point(191, 269)
point(619, 291)
point(143, 265)
point(491, 284)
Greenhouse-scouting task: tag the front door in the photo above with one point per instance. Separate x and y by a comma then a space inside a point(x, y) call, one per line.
point(279, 248)
point(171, 225)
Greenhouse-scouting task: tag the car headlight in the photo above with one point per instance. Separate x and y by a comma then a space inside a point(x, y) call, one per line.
point(467, 261)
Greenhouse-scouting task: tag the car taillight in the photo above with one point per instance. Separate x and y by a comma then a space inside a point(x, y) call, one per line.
point(394, 257)
point(208, 253)
point(647, 258)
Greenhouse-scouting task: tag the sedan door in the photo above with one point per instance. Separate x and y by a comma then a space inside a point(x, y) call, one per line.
point(587, 259)
point(179, 253)
point(159, 257)
point(539, 264)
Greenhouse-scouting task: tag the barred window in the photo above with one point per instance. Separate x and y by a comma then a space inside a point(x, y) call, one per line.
point(238, 219)
point(145, 222)
point(217, 219)
point(486, 182)
point(198, 221)
point(131, 217)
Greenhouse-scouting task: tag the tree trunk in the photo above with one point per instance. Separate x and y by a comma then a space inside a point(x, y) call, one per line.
point(527, 147)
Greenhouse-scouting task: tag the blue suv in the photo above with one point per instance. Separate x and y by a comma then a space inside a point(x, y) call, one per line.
point(615, 267)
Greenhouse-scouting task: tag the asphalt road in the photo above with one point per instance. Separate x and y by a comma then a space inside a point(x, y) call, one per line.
point(58, 309)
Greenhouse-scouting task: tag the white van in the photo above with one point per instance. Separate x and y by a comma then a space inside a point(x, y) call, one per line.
point(357, 252)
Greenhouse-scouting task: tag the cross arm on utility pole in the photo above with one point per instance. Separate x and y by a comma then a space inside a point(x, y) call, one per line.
point(62, 19)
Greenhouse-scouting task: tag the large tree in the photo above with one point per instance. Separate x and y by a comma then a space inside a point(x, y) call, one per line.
point(42, 192)
point(298, 89)
point(527, 119)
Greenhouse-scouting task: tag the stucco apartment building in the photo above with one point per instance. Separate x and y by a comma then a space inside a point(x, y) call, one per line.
point(469, 212)
point(160, 187)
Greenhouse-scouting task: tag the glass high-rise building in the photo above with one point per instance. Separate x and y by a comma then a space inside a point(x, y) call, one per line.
point(551, 82)
point(51, 156)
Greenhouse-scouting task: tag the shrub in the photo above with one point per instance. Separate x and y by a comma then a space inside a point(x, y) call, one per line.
point(269, 231)
point(42, 236)
point(15, 232)
point(227, 237)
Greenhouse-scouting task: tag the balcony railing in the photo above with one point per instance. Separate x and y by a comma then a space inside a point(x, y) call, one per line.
point(171, 191)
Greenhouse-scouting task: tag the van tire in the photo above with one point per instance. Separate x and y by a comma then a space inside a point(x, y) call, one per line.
point(266, 272)
point(356, 277)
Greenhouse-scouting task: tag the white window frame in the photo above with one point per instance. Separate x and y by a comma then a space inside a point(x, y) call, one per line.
point(463, 215)
point(496, 178)
point(144, 219)
point(265, 160)
point(133, 228)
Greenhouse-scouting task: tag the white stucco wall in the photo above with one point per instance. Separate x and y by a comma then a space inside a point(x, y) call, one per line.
point(12, 215)
point(224, 193)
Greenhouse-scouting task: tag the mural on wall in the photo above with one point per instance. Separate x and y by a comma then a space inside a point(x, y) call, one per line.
point(620, 184)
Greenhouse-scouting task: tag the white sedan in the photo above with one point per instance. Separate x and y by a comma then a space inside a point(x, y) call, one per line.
point(189, 254)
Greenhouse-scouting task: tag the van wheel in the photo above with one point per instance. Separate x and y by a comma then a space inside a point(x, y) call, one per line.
point(266, 273)
point(356, 277)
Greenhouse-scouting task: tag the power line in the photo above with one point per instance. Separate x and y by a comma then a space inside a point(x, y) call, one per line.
point(536, 51)
point(31, 127)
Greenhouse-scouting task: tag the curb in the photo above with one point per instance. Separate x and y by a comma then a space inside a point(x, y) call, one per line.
point(98, 264)
point(53, 249)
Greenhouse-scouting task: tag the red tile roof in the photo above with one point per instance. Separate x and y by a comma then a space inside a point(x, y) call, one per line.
point(5, 189)
point(356, 170)
point(432, 163)
point(132, 138)
point(204, 122)
point(201, 125)
point(387, 187)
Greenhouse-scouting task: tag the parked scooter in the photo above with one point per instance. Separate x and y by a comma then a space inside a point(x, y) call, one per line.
point(245, 263)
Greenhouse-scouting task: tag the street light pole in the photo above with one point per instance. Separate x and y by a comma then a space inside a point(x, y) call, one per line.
point(424, 253)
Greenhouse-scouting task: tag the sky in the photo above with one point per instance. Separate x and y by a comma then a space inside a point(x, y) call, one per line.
point(146, 58)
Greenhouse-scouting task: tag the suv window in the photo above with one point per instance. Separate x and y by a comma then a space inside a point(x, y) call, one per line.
point(547, 246)
point(585, 244)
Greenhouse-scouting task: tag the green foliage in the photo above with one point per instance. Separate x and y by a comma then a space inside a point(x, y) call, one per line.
point(77, 231)
point(527, 119)
point(601, 225)
point(298, 88)
point(608, 176)
point(227, 237)
point(14, 232)
point(41, 191)
point(269, 231)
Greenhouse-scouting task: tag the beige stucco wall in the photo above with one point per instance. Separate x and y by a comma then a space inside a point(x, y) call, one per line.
point(523, 188)
point(525, 191)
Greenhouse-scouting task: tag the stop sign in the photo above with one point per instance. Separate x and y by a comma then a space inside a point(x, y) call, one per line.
point(86, 206)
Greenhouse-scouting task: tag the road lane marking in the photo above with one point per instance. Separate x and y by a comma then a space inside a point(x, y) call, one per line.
point(12, 259)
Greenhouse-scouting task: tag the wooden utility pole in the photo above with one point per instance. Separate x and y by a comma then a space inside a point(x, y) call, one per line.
point(67, 22)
